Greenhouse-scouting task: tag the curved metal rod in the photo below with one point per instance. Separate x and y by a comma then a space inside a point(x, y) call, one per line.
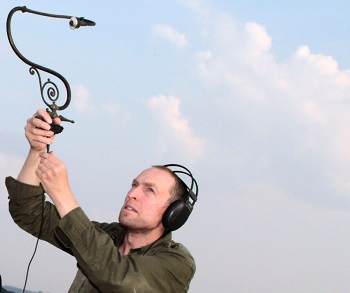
point(52, 90)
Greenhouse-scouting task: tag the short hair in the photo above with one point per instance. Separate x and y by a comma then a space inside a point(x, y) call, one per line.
point(179, 190)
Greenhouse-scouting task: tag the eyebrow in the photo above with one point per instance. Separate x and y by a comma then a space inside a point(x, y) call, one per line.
point(147, 184)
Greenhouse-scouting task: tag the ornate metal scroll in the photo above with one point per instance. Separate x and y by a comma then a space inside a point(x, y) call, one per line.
point(48, 90)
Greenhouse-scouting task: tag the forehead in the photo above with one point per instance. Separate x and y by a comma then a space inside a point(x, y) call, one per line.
point(157, 177)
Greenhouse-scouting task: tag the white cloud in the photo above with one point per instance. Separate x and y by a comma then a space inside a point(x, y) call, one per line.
point(326, 64)
point(176, 131)
point(83, 102)
point(258, 40)
point(169, 34)
point(323, 67)
point(110, 107)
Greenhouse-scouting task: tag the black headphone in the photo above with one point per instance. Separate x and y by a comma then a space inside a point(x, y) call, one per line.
point(178, 212)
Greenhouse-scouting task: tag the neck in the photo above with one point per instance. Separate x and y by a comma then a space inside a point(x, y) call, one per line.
point(138, 239)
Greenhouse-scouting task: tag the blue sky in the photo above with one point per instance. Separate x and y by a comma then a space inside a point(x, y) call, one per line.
point(253, 98)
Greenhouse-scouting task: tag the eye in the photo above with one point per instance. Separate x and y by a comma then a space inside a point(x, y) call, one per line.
point(150, 189)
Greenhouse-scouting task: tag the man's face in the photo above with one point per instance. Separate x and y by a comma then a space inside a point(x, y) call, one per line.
point(147, 200)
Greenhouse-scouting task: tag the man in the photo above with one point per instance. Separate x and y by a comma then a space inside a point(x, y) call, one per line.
point(134, 255)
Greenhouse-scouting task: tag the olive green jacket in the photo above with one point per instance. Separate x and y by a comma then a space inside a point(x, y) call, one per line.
point(163, 266)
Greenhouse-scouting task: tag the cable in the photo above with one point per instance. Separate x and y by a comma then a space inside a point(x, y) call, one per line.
point(36, 244)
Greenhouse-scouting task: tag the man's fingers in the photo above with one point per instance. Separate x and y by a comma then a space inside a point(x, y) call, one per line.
point(36, 129)
point(57, 121)
point(48, 158)
point(45, 116)
point(46, 164)
point(38, 123)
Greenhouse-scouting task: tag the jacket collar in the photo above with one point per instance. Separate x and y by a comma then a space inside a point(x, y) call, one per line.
point(164, 240)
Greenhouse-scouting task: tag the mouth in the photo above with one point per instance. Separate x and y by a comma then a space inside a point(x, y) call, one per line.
point(130, 208)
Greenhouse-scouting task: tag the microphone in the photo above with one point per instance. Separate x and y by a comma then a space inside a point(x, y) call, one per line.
point(76, 22)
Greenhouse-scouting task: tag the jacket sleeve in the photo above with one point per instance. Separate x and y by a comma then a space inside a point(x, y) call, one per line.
point(166, 268)
point(31, 212)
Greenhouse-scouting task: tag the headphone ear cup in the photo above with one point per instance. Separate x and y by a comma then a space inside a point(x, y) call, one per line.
point(176, 215)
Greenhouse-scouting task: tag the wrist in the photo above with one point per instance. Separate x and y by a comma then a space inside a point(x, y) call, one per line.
point(66, 207)
point(27, 174)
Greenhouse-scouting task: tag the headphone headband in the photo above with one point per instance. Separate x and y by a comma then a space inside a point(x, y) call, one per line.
point(193, 194)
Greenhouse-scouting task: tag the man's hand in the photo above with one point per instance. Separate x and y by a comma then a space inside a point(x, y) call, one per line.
point(53, 176)
point(38, 131)
point(38, 134)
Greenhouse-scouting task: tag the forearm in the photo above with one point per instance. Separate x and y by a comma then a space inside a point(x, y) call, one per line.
point(65, 204)
point(27, 174)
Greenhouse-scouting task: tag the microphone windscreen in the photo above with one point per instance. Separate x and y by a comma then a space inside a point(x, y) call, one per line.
point(73, 23)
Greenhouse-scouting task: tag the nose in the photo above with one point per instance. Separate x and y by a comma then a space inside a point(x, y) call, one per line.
point(133, 193)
